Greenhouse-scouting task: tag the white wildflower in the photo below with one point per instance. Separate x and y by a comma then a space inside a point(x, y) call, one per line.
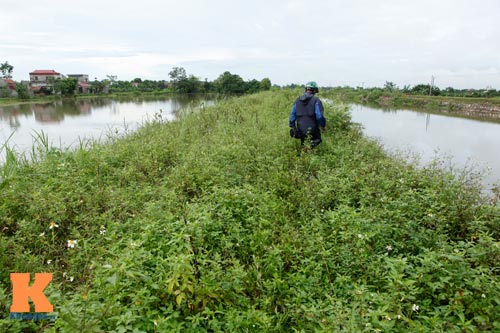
point(53, 225)
point(102, 230)
point(72, 243)
point(388, 248)
point(483, 295)
point(71, 279)
point(49, 261)
point(415, 307)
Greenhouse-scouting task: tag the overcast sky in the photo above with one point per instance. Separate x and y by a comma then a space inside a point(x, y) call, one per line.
point(332, 42)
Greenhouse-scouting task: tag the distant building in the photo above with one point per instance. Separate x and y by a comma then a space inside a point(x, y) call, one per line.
point(82, 78)
point(7, 88)
point(42, 80)
point(83, 82)
point(44, 76)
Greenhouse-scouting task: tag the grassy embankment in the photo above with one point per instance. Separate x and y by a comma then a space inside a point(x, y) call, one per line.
point(218, 222)
point(474, 107)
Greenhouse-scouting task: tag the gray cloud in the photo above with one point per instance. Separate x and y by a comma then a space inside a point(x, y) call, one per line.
point(332, 42)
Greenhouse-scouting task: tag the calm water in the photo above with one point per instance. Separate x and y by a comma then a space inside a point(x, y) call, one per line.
point(69, 121)
point(465, 142)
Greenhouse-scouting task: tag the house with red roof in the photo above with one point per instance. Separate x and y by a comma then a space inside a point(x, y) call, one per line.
point(42, 79)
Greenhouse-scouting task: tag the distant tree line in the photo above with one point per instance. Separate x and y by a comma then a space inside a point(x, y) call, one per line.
point(431, 90)
point(419, 89)
point(392, 94)
point(227, 83)
point(180, 82)
point(424, 89)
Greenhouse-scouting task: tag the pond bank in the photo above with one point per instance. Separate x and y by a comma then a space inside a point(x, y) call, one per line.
point(484, 108)
point(481, 108)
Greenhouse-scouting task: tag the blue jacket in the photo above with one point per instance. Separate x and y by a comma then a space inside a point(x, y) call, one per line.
point(307, 112)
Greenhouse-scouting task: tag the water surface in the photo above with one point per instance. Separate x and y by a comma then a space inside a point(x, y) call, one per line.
point(67, 122)
point(463, 142)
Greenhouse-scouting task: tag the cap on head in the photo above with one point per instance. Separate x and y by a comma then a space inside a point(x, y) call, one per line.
point(311, 85)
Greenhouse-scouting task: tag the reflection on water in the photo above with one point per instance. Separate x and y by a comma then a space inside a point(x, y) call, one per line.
point(54, 112)
point(469, 143)
point(66, 122)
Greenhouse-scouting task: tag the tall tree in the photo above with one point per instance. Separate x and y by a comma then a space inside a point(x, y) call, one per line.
point(265, 84)
point(423, 89)
point(97, 87)
point(390, 86)
point(252, 86)
point(6, 70)
point(194, 85)
point(178, 79)
point(177, 73)
point(228, 83)
point(22, 91)
point(66, 86)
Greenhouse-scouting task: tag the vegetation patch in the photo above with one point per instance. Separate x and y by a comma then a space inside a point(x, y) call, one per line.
point(219, 221)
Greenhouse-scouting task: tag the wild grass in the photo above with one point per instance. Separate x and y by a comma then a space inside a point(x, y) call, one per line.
point(219, 221)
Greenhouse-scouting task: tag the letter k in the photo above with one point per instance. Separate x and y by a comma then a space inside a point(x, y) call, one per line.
point(21, 292)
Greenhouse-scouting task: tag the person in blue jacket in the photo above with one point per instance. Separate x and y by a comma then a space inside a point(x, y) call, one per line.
point(307, 116)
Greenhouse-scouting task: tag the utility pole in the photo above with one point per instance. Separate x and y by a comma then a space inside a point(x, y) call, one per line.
point(432, 85)
point(112, 78)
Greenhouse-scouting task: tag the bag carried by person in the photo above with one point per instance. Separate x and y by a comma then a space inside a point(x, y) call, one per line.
point(295, 133)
